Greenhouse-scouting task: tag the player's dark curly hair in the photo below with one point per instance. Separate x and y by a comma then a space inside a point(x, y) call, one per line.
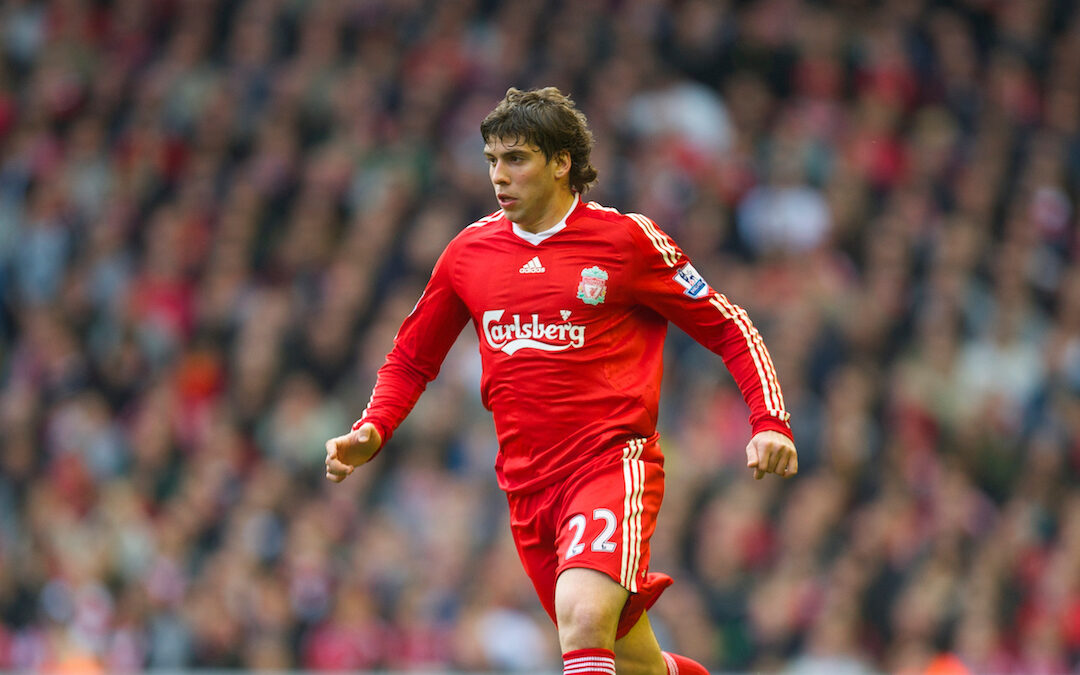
point(548, 119)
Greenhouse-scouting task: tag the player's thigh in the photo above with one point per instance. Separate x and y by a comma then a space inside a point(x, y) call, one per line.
point(638, 652)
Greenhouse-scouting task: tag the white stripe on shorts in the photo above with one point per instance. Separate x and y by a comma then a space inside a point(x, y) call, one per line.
point(633, 504)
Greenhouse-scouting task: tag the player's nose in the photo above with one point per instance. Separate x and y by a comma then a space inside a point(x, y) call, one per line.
point(499, 176)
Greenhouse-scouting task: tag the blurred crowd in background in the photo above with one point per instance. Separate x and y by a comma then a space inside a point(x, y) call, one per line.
point(214, 215)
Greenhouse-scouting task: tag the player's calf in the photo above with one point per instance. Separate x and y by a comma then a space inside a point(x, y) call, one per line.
point(631, 666)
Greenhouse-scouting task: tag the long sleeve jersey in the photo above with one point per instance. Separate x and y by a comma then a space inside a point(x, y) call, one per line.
point(571, 325)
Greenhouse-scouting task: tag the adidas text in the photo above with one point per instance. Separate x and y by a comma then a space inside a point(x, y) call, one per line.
point(532, 267)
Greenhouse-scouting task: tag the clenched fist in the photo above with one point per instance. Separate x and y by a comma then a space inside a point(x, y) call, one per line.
point(772, 452)
point(345, 453)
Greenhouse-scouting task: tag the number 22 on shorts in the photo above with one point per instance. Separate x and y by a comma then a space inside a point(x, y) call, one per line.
point(602, 543)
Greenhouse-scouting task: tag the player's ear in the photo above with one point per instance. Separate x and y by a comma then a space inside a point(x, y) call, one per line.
point(562, 163)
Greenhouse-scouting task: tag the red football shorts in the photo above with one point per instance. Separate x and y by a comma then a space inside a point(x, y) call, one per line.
point(602, 519)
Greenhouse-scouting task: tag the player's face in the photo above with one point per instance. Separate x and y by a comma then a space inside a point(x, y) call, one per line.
point(526, 182)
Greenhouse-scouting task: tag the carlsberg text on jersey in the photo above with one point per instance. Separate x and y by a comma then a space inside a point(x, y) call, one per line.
point(515, 335)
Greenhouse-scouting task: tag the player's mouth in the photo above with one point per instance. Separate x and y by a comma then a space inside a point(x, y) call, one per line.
point(505, 200)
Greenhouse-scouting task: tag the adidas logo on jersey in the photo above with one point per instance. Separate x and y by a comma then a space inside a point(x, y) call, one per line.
point(534, 266)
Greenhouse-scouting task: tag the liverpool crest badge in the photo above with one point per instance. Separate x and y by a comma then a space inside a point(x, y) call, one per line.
point(593, 287)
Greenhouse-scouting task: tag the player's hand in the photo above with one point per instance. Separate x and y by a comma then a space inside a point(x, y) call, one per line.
point(345, 453)
point(772, 452)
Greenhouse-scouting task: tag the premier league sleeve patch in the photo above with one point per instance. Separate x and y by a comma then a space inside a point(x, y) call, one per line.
point(694, 286)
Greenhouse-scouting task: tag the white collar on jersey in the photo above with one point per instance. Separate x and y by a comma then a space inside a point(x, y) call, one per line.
point(537, 237)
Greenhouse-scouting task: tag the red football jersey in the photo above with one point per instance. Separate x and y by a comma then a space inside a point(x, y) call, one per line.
point(571, 324)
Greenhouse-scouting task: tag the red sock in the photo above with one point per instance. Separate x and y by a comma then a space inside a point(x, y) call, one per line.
point(585, 661)
point(680, 665)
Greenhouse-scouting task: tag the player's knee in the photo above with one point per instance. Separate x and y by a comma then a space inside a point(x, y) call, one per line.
point(587, 608)
point(584, 625)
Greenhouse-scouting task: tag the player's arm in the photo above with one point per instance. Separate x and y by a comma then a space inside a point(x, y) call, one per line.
point(667, 282)
point(420, 347)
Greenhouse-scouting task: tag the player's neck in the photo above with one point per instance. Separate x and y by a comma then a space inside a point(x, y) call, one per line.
point(557, 211)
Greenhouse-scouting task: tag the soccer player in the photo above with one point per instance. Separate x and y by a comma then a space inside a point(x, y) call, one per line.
point(571, 302)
